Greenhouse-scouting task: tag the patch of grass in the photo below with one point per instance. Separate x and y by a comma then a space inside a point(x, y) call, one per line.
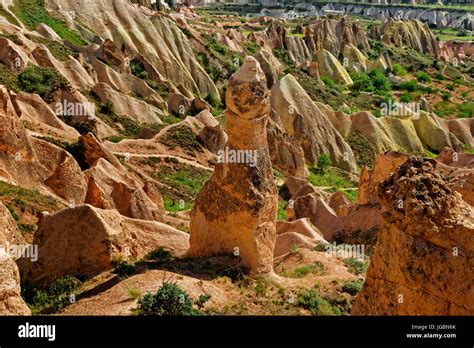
point(134, 293)
point(316, 267)
point(330, 178)
point(281, 214)
point(356, 266)
point(33, 12)
point(187, 180)
point(53, 298)
point(353, 287)
point(115, 138)
point(317, 305)
point(176, 205)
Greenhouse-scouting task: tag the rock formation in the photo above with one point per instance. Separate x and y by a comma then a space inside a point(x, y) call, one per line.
point(422, 264)
point(308, 127)
point(11, 302)
point(236, 210)
point(334, 35)
point(85, 241)
point(330, 67)
point(411, 33)
point(155, 35)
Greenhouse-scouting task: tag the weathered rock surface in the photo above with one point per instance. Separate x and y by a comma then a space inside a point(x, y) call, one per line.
point(41, 118)
point(334, 35)
point(112, 188)
point(411, 33)
point(422, 264)
point(11, 302)
point(307, 125)
point(385, 164)
point(330, 67)
point(126, 106)
point(153, 34)
point(236, 209)
point(85, 240)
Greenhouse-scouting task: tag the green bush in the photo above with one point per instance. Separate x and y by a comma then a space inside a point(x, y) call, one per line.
point(355, 266)
point(422, 76)
point(124, 269)
point(397, 69)
point(328, 82)
point(42, 81)
point(160, 256)
point(410, 86)
point(169, 300)
point(438, 75)
point(375, 81)
point(446, 96)
point(466, 110)
point(317, 305)
point(406, 97)
point(352, 287)
point(53, 298)
point(316, 267)
point(324, 162)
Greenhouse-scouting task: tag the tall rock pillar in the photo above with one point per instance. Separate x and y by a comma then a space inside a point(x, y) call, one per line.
point(236, 210)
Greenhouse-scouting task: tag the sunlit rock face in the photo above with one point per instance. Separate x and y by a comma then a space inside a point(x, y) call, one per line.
point(422, 264)
point(236, 210)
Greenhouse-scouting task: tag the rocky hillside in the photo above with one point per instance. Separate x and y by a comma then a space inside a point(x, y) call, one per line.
point(251, 165)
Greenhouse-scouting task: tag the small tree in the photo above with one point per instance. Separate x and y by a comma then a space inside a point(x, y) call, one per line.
point(170, 300)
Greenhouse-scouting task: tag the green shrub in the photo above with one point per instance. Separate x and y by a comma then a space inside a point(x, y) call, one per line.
point(438, 75)
point(352, 287)
point(422, 76)
point(13, 212)
point(324, 162)
point(181, 136)
point(53, 298)
point(446, 96)
point(160, 256)
point(397, 69)
point(328, 82)
point(169, 300)
point(355, 266)
point(406, 97)
point(124, 269)
point(317, 305)
point(42, 81)
point(410, 86)
point(465, 110)
point(375, 81)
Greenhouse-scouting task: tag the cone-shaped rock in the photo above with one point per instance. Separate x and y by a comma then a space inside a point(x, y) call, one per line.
point(236, 210)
